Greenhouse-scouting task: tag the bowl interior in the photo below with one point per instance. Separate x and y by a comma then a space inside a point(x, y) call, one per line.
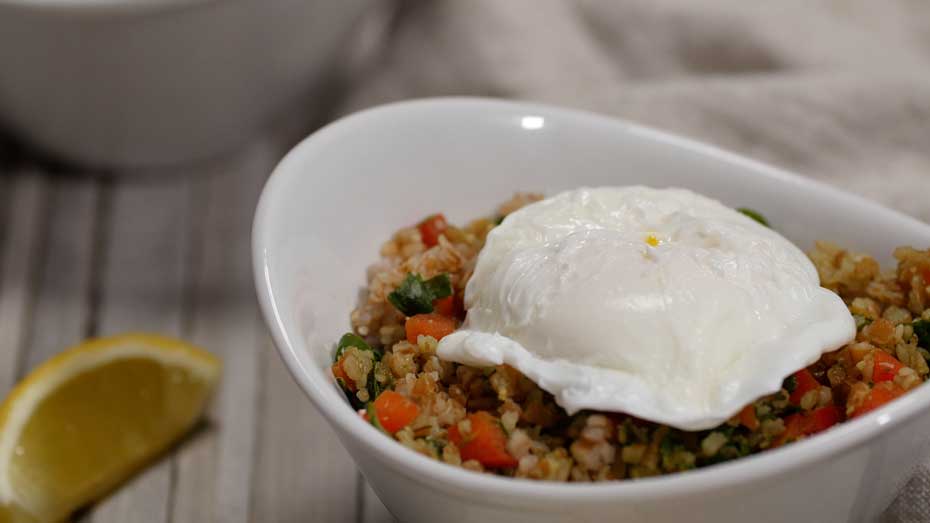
point(341, 193)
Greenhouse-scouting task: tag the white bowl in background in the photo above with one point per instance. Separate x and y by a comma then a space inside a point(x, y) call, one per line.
point(338, 195)
point(154, 82)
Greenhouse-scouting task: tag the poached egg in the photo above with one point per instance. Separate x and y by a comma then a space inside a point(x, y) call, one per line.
point(660, 303)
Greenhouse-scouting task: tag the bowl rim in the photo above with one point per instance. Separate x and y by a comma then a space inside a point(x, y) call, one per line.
point(839, 439)
point(103, 7)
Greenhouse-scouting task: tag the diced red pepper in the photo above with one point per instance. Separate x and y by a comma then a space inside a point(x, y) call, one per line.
point(885, 366)
point(432, 228)
point(880, 394)
point(394, 411)
point(445, 306)
point(821, 419)
point(793, 430)
point(804, 383)
point(807, 423)
point(435, 325)
point(485, 442)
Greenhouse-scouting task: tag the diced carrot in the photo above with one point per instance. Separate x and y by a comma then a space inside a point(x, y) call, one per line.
point(880, 394)
point(804, 382)
point(885, 366)
point(748, 418)
point(431, 228)
point(435, 325)
point(340, 374)
point(445, 306)
point(394, 411)
point(484, 442)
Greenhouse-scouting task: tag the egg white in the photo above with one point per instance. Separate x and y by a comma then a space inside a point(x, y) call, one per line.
point(660, 303)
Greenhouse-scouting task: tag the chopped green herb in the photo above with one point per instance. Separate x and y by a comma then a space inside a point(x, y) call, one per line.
point(668, 444)
point(373, 417)
point(781, 397)
point(676, 458)
point(639, 433)
point(374, 386)
point(353, 340)
point(755, 215)
point(922, 330)
point(726, 429)
point(416, 296)
point(436, 445)
point(353, 399)
point(861, 321)
point(790, 384)
point(343, 385)
point(499, 220)
point(737, 448)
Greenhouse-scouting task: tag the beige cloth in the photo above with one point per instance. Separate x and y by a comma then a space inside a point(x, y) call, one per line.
point(838, 90)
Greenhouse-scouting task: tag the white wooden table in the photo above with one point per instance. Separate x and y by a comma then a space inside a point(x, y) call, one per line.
point(98, 254)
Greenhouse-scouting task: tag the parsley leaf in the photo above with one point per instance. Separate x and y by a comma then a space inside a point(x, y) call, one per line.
point(861, 321)
point(352, 340)
point(373, 417)
point(374, 386)
point(922, 330)
point(416, 296)
point(755, 215)
point(790, 383)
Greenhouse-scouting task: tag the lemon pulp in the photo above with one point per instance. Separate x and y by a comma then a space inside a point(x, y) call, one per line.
point(86, 420)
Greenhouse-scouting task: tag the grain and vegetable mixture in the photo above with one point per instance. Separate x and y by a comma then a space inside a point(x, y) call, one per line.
point(495, 420)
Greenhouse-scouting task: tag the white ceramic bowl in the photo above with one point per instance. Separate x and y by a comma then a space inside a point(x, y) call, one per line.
point(149, 82)
point(333, 200)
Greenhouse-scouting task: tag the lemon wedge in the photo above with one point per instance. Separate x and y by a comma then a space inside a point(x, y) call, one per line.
point(85, 420)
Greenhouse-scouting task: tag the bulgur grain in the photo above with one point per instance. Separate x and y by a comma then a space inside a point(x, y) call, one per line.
point(548, 444)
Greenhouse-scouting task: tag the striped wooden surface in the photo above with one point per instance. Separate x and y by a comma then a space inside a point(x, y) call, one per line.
point(95, 255)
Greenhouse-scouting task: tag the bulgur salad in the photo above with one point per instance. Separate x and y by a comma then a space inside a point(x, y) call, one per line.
point(494, 419)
